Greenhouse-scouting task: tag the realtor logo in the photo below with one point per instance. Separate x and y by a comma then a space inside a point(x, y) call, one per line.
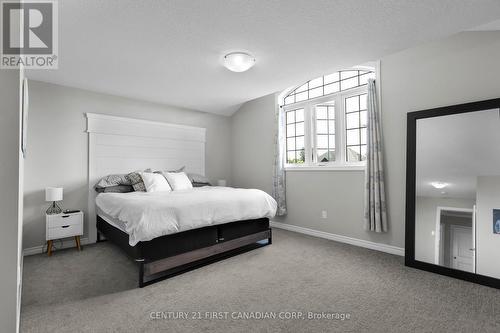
point(29, 34)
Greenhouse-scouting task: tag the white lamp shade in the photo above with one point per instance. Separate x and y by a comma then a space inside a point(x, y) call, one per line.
point(238, 61)
point(53, 194)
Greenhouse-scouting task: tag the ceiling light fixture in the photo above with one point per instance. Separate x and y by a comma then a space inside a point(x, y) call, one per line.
point(439, 185)
point(238, 61)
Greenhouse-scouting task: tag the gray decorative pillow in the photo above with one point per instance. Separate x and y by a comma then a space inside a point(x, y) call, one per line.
point(119, 189)
point(115, 189)
point(136, 181)
point(196, 178)
point(201, 184)
point(113, 180)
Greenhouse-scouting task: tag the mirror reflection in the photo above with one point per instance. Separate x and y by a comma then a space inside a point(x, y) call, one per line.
point(457, 217)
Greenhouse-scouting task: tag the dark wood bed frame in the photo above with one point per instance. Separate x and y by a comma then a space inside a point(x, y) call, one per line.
point(169, 255)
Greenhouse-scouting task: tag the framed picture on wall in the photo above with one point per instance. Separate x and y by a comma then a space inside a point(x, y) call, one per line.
point(496, 221)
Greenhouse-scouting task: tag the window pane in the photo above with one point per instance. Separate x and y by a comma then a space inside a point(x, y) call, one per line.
point(363, 153)
point(363, 136)
point(349, 83)
point(322, 126)
point(362, 102)
point(301, 156)
point(363, 118)
point(322, 141)
point(321, 112)
point(299, 143)
point(301, 88)
point(334, 77)
point(353, 154)
point(331, 127)
point(331, 141)
point(316, 92)
point(316, 83)
point(290, 130)
point(348, 74)
point(352, 104)
point(331, 112)
point(290, 144)
point(322, 155)
point(332, 88)
point(353, 137)
point(290, 117)
point(352, 120)
point(331, 154)
point(363, 79)
point(301, 96)
point(290, 99)
point(299, 115)
point(299, 129)
point(290, 157)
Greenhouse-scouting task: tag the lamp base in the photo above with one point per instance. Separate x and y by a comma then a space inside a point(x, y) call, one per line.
point(53, 209)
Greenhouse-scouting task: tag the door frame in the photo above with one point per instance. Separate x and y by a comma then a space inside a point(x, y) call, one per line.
point(437, 232)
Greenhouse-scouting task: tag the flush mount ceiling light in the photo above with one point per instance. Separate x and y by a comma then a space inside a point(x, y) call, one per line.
point(439, 185)
point(238, 61)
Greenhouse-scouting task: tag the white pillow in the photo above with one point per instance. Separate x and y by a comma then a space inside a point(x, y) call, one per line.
point(178, 180)
point(155, 182)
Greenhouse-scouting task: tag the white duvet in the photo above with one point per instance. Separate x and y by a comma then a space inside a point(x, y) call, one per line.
point(150, 215)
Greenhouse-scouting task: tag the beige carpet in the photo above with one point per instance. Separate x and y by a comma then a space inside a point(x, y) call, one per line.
point(95, 291)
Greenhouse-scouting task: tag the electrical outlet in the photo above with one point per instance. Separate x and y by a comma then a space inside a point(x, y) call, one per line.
point(324, 214)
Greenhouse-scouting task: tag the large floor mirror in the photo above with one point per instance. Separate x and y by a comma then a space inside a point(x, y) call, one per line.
point(453, 191)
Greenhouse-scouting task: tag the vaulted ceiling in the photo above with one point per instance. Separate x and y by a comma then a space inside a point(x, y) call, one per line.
point(170, 51)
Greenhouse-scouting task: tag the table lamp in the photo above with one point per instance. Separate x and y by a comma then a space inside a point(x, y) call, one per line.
point(54, 194)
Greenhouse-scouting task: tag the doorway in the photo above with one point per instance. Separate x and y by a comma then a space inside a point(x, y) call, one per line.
point(461, 248)
point(455, 238)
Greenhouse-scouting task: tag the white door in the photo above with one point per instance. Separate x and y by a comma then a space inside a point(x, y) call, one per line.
point(462, 251)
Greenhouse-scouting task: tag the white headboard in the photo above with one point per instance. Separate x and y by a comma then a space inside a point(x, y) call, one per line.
point(122, 145)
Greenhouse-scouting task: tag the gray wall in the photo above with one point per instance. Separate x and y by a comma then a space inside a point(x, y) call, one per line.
point(10, 199)
point(58, 145)
point(462, 68)
point(253, 129)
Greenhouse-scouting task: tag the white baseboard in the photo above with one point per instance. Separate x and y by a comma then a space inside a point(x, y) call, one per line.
point(66, 243)
point(339, 238)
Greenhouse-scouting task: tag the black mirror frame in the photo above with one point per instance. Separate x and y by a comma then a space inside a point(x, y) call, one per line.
point(411, 145)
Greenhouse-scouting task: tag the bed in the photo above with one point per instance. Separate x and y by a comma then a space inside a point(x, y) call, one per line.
point(171, 232)
point(179, 236)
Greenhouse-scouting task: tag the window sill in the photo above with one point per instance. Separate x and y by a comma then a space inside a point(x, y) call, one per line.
point(326, 168)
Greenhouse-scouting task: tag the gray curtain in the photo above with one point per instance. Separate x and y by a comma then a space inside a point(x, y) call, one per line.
point(279, 187)
point(375, 203)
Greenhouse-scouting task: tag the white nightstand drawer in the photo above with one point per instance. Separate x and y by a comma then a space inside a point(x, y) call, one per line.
point(60, 220)
point(64, 231)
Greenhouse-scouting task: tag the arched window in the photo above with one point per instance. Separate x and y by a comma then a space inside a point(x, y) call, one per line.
point(328, 84)
point(325, 120)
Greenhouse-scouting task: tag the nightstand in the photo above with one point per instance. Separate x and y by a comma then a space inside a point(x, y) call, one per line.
point(63, 225)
